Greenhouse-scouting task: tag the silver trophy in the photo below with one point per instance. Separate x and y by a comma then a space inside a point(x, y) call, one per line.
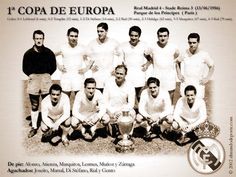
point(125, 124)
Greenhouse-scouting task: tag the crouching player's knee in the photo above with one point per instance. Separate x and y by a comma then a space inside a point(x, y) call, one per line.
point(139, 119)
point(44, 127)
point(105, 119)
point(167, 121)
point(175, 125)
point(67, 122)
point(74, 122)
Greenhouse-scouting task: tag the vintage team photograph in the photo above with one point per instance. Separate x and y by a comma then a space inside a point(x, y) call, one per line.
point(117, 88)
point(115, 96)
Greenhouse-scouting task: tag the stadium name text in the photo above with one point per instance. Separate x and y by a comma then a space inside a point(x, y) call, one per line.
point(53, 10)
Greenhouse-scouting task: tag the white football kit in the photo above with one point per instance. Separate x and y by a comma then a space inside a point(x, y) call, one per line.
point(73, 61)
point(185, 115)
point(118, 98)
point(103, 56)
point(133, 58)
point(55, 114)
point(159, 106)
point(164, 65)
point(194, 68)
point(84, 108)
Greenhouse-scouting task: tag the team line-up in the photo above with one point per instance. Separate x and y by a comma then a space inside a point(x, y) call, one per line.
point(110, 79)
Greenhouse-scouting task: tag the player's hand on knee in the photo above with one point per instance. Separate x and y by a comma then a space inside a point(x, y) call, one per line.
point(175, 125)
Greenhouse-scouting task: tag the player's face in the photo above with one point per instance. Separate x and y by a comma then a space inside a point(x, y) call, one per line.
point(163, 38)
point(120, 75)
point(190, 95)
point(55, 96)
point(38, 40)
point(90, 90)
point(134, 38)
point(193, 44)
point(154, 89)
point(73, 38)
point(102, 33)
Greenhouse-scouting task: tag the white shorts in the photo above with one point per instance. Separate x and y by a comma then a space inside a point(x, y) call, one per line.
point(132, 76)
point(167, 78)
point(101, 77)
point(71, 82)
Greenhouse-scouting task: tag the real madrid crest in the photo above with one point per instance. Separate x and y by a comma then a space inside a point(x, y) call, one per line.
point(206, 155)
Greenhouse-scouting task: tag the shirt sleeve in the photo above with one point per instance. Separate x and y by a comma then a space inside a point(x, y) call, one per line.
point(66, 111)
point(178, 110)
point(142, 104)
point(53, 63)
point(107, 99)
point(167, 106)
point(44, 111)
point(208, 60)
point(76, 107)
point(148, 51)
point(26, 64)
point(202, 114)
point(131, 97)
point(118, 56)
point(88, 49)
point(101, 105)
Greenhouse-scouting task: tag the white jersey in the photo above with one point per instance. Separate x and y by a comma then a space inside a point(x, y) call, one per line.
point(161, 105)
point(118, 98)
point(195, 115)
point(133, 58)
point(164, 65)
point(83, 107)
point(72, 61)
point(194, 67)
point(72, 58)
point(103, 56)
point(60, 111)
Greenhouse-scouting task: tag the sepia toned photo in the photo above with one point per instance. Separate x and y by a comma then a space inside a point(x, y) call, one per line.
point(117, 88)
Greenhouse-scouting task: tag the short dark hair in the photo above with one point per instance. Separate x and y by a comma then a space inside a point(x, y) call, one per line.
point(55, 87)
point(38, 32)
point(89, 80)
point(190, 88)
point(153, 80)
point(103, 25)
point(136, 29)
point(162, 30)
point(72, 29)
point(122, 66)
point(194, 35)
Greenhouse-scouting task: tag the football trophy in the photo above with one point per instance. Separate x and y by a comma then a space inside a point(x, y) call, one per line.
point(125, 124)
